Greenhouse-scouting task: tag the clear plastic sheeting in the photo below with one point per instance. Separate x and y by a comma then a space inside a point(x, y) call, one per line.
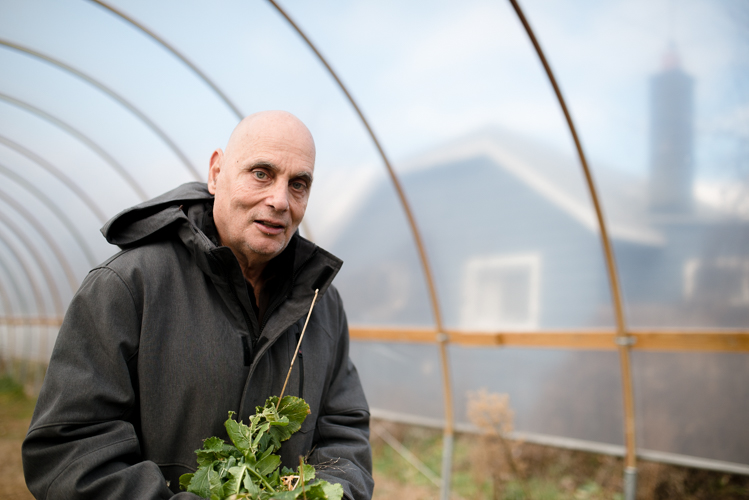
point(105, 104)
point(552, 392)
point(389, 373)
point(693, 403)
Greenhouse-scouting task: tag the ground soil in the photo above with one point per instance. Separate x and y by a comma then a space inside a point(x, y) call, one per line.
point(15, 415)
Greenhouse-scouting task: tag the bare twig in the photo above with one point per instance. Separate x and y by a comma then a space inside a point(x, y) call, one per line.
point(301, 460)
point(298, 345)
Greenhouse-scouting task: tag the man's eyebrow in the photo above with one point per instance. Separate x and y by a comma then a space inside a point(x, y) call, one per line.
point(264, 164)
point(305, 176)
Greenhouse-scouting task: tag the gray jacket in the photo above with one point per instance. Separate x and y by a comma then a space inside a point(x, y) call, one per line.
point(157, 347)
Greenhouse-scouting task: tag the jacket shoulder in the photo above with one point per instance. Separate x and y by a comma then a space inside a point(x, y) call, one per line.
point(150, 263)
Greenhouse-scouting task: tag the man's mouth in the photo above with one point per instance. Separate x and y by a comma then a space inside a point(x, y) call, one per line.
point(270, 227)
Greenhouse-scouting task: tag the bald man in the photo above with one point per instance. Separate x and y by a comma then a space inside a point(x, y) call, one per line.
point(199, 315)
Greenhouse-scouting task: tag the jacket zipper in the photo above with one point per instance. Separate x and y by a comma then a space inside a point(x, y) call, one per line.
point(246, 347)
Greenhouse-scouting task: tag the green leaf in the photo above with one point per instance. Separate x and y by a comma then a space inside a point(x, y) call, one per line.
point(184, 481)
point(200, 484)
point(251, 487)
point(224, 466)
point(268, 464)
point(296, 410)
point(214, 444)
point(213, 449)
point(293, 409)
point(216, 485)
point(261, 430)
point(231, 487)
point(333, 491)
point(313, 492)
point(239, 434)
point(285, 495)
point(309, 472)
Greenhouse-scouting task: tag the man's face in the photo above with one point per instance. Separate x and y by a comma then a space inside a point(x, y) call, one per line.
point(261, 186)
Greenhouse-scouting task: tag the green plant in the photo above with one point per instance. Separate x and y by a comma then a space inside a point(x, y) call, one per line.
point(249, 468)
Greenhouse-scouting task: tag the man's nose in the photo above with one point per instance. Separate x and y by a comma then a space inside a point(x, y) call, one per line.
point(278, 198)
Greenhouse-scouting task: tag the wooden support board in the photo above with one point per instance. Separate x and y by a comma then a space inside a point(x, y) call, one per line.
point(654, 340)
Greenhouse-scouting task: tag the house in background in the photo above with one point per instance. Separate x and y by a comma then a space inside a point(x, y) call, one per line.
point(514, 242)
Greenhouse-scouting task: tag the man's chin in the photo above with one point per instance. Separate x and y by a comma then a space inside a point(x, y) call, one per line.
point(268, 249)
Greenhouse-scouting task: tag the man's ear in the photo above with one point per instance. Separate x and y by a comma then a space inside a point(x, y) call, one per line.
point(214, 170)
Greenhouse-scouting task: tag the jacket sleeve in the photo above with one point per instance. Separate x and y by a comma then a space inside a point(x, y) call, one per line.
point(82, 442)
point(341, 452)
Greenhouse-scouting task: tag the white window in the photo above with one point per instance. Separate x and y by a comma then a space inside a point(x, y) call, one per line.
point(501, 292)
point(722, 279)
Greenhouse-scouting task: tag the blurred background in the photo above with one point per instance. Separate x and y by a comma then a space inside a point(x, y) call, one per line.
point(103, 105)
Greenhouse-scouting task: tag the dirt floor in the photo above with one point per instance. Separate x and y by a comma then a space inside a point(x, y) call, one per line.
point(15, 415)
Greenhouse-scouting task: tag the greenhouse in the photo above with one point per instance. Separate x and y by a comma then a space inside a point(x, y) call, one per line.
point(543, 200)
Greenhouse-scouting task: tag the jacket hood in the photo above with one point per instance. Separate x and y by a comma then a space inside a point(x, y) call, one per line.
point(137, 223)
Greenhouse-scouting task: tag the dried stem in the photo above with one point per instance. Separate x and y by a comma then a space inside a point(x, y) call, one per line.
point(301, 460)
point(298, 345)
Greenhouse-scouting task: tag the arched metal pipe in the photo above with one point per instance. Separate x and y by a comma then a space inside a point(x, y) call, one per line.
point(111, 93)
point(55, 209)
point(624, 340)
point(41, 308)
point(30, 249)
point(7, 311)
point(36, 291)
point(51, 284)
point(64, 263)
point(5, 299)
point(22, 305)
point(174, 52)
point(441, 336)
point(119, 169)
point(56, 172)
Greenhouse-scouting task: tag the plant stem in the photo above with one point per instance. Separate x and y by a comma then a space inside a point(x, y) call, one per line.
point(259, 476)
point(298, 345)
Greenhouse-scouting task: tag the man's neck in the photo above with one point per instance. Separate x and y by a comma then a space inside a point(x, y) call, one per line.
point(253, 273)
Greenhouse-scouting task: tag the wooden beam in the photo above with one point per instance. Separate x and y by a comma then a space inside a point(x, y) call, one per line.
point(30, 320)
point(651, 340)
point(692, 340)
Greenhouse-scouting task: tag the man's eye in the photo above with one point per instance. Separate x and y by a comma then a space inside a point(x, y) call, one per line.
point(259, 174)
point(298, 185)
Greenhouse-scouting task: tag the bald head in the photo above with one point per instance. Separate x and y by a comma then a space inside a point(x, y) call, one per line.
point(271, 125)
point(261, 185)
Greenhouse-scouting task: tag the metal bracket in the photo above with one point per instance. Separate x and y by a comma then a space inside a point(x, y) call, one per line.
point(625, 340)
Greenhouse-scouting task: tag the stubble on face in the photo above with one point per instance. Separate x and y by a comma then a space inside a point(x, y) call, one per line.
point(261, 186)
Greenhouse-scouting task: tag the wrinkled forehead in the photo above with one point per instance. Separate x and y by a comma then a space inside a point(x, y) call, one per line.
point(273, 131)
point(279, 152)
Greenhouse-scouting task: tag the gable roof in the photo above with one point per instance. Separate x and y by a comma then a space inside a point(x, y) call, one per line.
point(558, 177)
